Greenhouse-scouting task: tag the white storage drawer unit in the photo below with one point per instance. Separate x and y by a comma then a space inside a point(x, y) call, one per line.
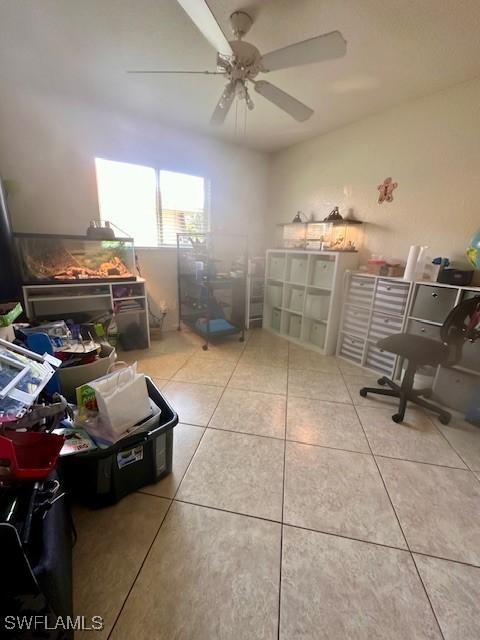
point(303, 295)
point(380, 360)
point(355, 321)
point(351, 348)
point(391, 296)
point(383, 326)
point(360, 291)
point(374, 308)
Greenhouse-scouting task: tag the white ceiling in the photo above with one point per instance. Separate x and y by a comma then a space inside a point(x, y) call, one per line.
point(397, 50)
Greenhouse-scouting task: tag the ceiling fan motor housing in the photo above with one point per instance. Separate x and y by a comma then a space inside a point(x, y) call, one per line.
point(246, 60)
point(240, 23)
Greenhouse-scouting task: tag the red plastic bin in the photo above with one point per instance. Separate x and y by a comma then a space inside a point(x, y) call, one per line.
point(28, 455)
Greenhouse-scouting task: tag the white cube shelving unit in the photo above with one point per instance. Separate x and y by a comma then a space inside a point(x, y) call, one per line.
point(303, 294)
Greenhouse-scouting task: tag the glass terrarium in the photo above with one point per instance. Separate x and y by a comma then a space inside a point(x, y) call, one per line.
point(335, 235)
point(45, 258)
point(294, 235)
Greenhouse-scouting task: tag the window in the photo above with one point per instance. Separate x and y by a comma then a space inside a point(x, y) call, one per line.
point(151, 206)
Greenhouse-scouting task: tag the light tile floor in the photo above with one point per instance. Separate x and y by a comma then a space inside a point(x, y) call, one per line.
point(295, 509)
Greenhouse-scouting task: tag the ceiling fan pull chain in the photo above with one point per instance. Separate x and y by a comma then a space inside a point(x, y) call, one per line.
point(236, 118)
point(245, 119)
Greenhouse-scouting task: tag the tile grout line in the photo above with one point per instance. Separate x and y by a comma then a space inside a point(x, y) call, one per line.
point(450, 444)
point(325, 446)
point(429, 464)
point(320, 531)
point(172, 500)
point(283, 499)
point(139, 570)
point(438, 430)
point(208, 422)
point(397, 517)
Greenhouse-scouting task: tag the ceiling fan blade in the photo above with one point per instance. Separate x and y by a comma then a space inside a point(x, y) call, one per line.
point(205, 73)
point(200, 14)
point(283, 100)
point(223, 105)
point(326, 47)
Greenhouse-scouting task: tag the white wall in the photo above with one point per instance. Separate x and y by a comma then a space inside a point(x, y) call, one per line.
point(430, 146)
point(47, 148)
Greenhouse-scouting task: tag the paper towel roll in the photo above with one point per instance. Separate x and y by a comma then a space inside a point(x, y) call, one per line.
point(421, 262)
point(412, 262)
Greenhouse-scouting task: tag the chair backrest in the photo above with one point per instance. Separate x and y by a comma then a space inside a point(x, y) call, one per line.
point(461, 325)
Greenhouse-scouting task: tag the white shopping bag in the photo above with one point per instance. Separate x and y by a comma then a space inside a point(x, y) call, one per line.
point(122, 400)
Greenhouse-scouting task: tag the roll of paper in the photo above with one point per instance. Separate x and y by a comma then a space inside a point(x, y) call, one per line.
point(421, 262)
point(412, 259)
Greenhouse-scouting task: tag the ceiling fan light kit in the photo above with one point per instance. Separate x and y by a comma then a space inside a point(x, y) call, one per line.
point(240, 62)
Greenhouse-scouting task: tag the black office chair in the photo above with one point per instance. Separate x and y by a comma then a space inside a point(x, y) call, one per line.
point(462, 325)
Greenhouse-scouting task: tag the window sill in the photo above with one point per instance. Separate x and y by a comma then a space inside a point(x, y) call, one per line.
point(161, 247)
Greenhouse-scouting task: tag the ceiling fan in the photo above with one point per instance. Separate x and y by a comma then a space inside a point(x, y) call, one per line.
point(240, 62)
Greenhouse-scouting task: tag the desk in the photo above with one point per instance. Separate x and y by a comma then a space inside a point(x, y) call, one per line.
point(127, 300)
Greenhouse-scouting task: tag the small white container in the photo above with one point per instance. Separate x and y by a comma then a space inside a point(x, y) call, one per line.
point(316, 306)
point(295, 326)
point(317, 334)
point(276, 267)
point(276, 319)
point(296, 299)
point(274, 295)
point(298, 270)
point(323, 273)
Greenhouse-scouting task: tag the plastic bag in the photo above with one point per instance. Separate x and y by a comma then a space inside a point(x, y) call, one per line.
point(122, 401)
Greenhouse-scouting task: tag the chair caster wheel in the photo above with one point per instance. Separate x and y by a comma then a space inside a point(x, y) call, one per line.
point(381, 382)
point(205, 347)
point(363, 393)
point(397, 417)
point(445, 419)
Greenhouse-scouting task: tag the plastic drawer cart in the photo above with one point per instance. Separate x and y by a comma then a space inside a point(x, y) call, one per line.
point(103, 476)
